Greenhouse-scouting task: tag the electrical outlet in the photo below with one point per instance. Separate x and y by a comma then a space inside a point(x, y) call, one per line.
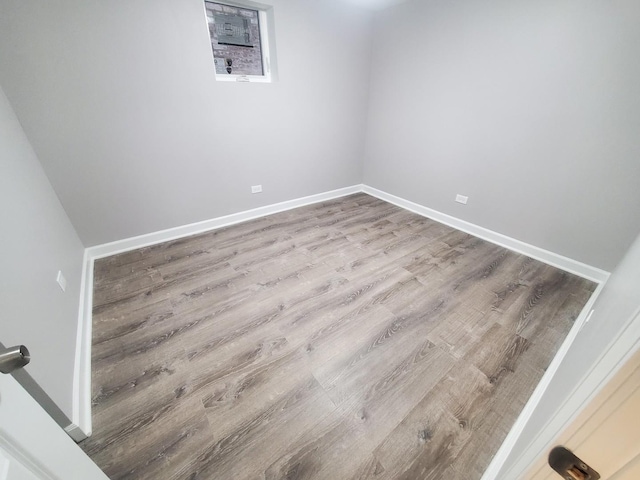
point(461, 199)
point(256, 189)
point(61, 281)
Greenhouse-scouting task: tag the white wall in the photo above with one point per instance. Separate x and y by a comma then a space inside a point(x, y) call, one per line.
point(120, 102)
point(616, 307)
point(37, 240)
point(531, 108)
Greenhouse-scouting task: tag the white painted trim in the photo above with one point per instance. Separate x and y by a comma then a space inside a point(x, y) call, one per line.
point(13, 455)
point(619, 351)
point(4, 466)
point(81, 407)
point(564, 263)
point(492, 471)
point(140, 241)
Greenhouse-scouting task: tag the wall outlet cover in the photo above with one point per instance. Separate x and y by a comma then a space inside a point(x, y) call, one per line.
point(462, 199)
point(256, 189)
point(61, 281)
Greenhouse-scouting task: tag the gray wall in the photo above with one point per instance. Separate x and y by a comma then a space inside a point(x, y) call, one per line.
point(617, 304)
point(37, 240)
point(532, 109)
point(121, 105)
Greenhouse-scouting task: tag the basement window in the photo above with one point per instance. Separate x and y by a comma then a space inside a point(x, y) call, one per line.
point(240, 41)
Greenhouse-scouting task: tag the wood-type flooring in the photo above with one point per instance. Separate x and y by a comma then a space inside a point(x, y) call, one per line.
point(349, 339)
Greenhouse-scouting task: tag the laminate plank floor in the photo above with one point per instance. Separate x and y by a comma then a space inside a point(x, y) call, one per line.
point(349, 339)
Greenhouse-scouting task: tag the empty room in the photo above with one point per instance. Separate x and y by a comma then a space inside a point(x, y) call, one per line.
point(319, 239)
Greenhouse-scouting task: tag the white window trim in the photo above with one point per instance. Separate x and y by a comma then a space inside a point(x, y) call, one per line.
point(264, 46)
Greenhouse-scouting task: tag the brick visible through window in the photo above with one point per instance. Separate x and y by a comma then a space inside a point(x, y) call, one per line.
point(236, 40)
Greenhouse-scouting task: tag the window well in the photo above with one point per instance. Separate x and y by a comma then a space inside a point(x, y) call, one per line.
point(240, 42)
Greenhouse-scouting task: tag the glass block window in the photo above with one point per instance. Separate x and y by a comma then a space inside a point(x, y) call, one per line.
point(238, 42)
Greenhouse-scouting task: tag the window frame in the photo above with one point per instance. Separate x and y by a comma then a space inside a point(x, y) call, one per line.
point(264, 27)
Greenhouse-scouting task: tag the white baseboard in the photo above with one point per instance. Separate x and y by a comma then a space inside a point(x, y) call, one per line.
point(81, 426)
point(140, 241)
point(564, 263)
point(81, 414)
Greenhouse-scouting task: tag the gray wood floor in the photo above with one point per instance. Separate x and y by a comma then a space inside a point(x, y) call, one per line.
point(344, 340)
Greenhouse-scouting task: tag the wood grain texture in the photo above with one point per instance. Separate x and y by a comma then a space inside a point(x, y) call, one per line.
point(344, 340)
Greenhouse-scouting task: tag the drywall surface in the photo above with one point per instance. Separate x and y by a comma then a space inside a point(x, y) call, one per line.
point(37, 240)
point(375, 4)
point(120, 102)
point(616, 306)
point(532, 109)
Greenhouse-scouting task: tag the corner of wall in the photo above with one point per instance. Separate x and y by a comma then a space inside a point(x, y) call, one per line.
point(556, 260)
point(81, 426)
